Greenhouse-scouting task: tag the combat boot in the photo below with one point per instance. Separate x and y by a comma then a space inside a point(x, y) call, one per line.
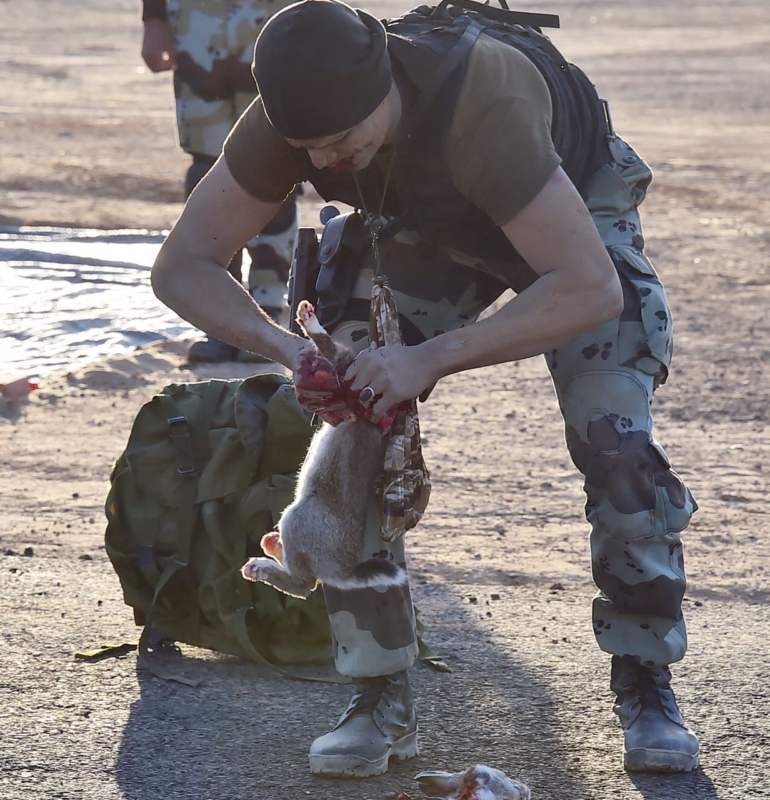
point(379, 723)
point(657, 738)
point(211, 351)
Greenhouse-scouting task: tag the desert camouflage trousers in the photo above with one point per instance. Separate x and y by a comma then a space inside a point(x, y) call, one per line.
point(213, 83)
point(637, 505)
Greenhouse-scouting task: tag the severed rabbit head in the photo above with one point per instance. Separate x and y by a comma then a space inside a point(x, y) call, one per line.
point(476, 783)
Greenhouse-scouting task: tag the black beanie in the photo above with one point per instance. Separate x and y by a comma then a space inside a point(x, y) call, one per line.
point(321, 67)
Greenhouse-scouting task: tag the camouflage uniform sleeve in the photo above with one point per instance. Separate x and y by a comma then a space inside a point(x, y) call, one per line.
point(154, 9)
point(260, 160)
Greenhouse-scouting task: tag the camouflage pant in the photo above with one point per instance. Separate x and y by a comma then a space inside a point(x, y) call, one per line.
point(636, 504)
point(213, 82)
point(213, 85)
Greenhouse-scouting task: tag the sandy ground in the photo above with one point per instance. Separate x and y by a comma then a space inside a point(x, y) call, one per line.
point(87, 139)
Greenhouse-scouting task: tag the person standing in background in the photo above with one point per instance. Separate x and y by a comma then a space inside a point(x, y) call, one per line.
point(209, 45)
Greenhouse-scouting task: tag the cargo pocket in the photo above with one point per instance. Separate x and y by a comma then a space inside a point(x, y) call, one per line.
point(675, 503)
point(606, 194)
point(645, 337)
point(631, 168)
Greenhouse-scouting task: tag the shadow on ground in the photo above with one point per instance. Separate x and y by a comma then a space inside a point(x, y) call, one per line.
point(245, 732)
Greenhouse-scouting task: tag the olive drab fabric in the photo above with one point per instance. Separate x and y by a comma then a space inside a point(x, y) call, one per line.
point(207, 470)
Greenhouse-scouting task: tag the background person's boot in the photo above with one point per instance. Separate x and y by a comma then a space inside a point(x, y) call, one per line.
point(380, 723)
point(211, 351)
point(656, 737)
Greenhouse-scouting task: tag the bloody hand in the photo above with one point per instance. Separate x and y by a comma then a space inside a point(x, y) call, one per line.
point(385, 422)
point(321, 390)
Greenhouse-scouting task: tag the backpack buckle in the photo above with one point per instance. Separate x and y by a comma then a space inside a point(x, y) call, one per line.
point(179, 432)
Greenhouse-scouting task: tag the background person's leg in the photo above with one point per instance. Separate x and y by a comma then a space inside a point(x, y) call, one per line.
point(272, 250)
point(202, 86)
point(213, 86)
point(204, 113)
point(271, 253)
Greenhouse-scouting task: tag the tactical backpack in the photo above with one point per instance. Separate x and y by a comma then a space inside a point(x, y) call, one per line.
point(208, 469)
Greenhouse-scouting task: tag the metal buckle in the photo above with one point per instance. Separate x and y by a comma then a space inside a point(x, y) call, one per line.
point(179, 432)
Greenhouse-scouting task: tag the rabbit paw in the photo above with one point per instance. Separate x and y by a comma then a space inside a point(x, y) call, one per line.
point(255, 568)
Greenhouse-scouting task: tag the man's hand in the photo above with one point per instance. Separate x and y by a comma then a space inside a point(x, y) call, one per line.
point(158, 48)
point(319, 387)
point(395, 373)
point(391, 373)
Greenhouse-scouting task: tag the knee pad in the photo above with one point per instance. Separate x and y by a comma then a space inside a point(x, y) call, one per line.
point(632, 491)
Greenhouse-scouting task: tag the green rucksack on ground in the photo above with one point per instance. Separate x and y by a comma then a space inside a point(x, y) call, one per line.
point(208, 469)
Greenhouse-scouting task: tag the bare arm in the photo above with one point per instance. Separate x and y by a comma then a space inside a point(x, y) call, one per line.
point(577, 291)
point(190, 273)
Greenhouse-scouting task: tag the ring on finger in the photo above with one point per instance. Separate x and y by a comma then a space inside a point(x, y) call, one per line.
point(366, 396)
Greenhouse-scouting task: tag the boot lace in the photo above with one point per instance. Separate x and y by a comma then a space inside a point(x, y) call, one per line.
point(649, 691)
point(368, 696)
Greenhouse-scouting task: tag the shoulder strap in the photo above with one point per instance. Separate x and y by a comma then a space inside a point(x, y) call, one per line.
point(437, 80)
point(474, 27)
point(144, 640)
point(504, 14)
point(191, 447)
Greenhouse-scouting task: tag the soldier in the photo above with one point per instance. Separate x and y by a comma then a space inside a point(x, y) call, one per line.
point(209, 44)
point(495, 166)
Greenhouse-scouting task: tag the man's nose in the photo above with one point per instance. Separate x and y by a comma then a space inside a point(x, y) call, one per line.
point(322, 157)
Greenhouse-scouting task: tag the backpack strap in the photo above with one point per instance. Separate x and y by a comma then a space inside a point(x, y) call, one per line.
point(437, 80)
point(503, 14)
point(528, 23)
point(191, 447)
point(237, 620)
point(287, 434)
point(239, 623)
point(273, 494)
point(144, 640)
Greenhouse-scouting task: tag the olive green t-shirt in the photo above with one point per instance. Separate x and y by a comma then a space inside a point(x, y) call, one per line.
point(499, 151)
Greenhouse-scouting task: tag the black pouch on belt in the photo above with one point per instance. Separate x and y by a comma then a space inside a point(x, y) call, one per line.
point(340, 256)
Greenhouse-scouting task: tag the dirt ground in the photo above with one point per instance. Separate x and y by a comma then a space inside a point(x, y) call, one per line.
point(87, 140)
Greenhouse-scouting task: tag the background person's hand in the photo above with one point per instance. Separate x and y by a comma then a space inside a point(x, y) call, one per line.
point(395, 373)
point(158, 48)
